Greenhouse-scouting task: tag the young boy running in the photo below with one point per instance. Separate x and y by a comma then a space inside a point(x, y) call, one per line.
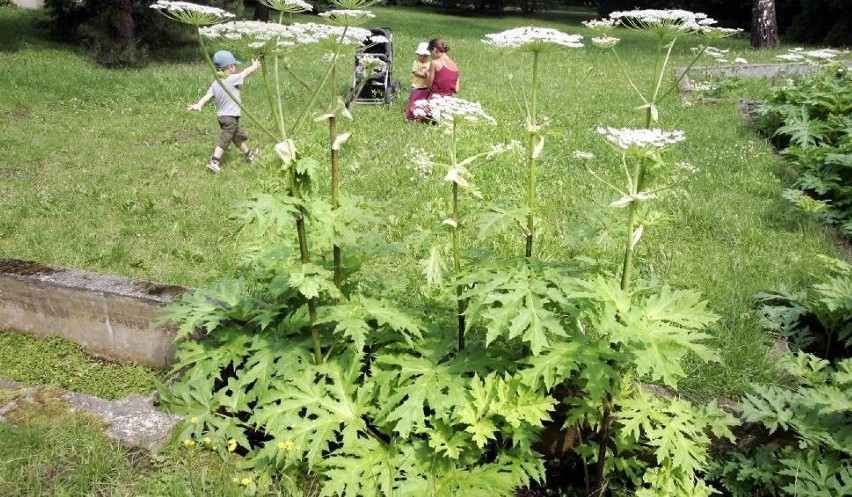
point(227, 110)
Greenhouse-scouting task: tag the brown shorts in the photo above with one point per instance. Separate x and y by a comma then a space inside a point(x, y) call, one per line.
point(231, 132)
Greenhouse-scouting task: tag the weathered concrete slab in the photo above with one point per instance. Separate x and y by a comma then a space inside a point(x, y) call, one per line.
point(133, 421)
point(744, 71)
point(110, 316)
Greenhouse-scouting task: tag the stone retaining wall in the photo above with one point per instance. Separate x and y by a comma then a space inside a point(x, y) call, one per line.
point(110, 316)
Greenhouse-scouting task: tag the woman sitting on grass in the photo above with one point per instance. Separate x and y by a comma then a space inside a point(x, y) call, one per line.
point(443, 76)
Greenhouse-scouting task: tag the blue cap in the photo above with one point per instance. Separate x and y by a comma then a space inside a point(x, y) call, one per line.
point(224, 58)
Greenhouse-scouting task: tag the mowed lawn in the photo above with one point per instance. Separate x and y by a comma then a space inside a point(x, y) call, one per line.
point(103, 169)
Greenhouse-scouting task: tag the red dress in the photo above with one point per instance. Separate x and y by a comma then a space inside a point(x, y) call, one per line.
point(445, 82)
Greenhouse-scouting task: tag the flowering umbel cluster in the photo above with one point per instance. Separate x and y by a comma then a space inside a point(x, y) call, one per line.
point(191, 13)
point(802, 55)
point(348, 17)
point(662, 22)
point(644, 139)
point(533, 39)
point(289, 6)
point(448, 110)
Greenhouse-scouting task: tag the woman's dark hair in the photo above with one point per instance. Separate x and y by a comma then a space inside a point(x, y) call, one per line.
point(439, 44)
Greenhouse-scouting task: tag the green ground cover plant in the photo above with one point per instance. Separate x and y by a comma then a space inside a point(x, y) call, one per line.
point(64, 364)
point(809, 121)
point(316, 354)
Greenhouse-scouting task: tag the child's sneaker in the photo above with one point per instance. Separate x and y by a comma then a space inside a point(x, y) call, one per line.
point(252, 154)
point(214, 166)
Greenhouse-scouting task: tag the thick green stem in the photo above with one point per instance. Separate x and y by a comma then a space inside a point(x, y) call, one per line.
point(312, 100)
point(533, 136)
point(335, 186)
point(461, 303)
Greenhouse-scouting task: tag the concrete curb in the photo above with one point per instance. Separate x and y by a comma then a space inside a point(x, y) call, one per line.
point(133, 421)
point(110, 316)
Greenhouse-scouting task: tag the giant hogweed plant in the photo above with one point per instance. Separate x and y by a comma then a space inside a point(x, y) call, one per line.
point(288, 366)
point(591, 333)
point(302, 372)
point(812, 446)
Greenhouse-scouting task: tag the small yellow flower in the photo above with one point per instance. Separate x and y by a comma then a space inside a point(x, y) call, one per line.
point(207, 440)
point(236, 480)
point(232, 445)
point(194, 420)
point(286, 445)
point(245, 481)
point(189, 442)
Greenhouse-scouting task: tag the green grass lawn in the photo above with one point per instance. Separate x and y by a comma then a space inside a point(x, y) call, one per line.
point(104, 170)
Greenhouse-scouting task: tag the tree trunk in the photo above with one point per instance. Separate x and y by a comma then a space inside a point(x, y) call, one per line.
point(261, 12)
point(126, 30)
point(764, 24)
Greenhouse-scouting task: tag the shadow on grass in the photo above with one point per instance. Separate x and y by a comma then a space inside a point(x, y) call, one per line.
point(21, 27)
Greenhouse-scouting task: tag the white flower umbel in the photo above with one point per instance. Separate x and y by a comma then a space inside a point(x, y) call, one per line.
point(449, 110)
point(671, 20)
point(642, 139)
point(421, 162)
point(371, 61)
point(533, 39)
point(601, 25)
point(716, 53)
point(261, 37)
point(583, 155)
point(192, 13)
point(605, 41)
point(497, 149)
point(345, 17)
point(311, 32)
point(289, 6)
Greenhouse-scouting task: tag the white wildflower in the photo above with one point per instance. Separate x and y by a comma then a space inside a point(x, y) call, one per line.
point(790, 57)
point(713, 32)
point(191, 13)
point(671, 20)
point(421, 162)
point(687, 167)
point(580, 154)
point(605, 41)
point(716, 53)
point(532, 39)
point(740, 60)
point(503, 148)
point(372, 61)
point(311, 32)
point(702, 86)
point(626, 138)
point(601, 24)
point(449, 110)
point(348, 17)
point(260, 36)
point(290, 6)
point(825, 54)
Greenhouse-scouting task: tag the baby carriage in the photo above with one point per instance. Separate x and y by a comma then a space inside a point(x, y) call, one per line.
point(375, 57)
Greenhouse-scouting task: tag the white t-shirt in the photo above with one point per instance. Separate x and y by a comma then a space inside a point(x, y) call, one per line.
point(224, 105)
